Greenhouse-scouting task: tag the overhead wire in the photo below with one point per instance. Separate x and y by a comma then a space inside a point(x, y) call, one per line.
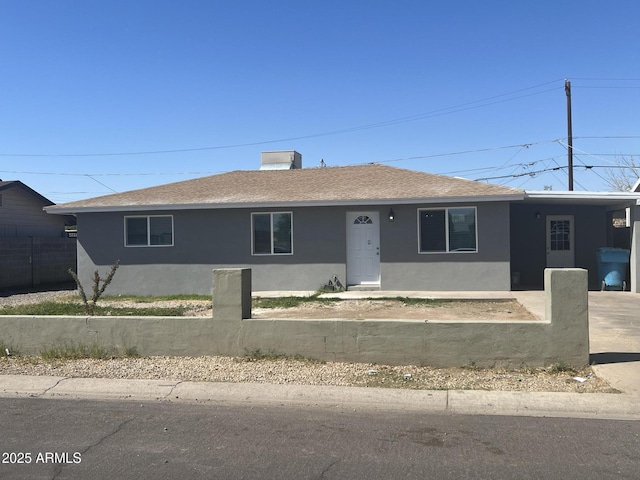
point(420, 116)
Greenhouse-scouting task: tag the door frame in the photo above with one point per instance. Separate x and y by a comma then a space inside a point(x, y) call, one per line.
point(568, 259)
point(351, 216)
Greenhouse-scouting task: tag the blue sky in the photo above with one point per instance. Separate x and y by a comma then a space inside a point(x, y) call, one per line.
point(89, 90)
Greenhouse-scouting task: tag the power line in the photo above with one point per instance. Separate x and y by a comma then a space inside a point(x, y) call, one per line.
point(464, 152)
point(140, 174)
point(533, 173)
point(614, 137)
point(607, 79)
point(421, 116)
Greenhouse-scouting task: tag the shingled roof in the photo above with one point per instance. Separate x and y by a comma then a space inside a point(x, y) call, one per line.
point(355, 185)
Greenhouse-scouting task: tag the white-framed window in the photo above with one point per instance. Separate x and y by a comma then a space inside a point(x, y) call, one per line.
point(272, 233)
point(447, 230)
point(148, 231)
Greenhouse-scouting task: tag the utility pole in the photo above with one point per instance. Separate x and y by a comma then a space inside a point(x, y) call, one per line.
point(567, 89)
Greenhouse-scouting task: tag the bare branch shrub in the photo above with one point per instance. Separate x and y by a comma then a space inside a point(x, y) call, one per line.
point(98, 290)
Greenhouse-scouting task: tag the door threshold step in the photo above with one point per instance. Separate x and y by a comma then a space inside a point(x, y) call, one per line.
point(363, 288)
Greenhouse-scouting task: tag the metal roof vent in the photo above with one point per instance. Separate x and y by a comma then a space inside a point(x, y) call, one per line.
point(281, 160)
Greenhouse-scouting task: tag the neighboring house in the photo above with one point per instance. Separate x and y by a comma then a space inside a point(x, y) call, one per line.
point(22, 214)
point(371, 226)
point(34, 248)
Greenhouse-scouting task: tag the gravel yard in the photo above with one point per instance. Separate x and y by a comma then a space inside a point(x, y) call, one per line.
point(304, 372)
point(278, 370)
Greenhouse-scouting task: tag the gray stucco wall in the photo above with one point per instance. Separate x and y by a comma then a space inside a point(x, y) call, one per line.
point(528, 234)
point(403, 268)
point(209, 239)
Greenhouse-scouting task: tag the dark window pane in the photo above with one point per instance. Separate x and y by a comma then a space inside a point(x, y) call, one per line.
point(262, 233)
point(282, 233)
point(432, 231)
point(462, 230)
point(136, 231)
point(161, 231)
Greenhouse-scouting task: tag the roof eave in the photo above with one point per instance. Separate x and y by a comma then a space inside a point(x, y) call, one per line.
point(583, 197)
point(62, 210)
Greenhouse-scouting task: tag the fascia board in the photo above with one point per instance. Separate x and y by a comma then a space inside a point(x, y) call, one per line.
point(61, 210)
point(549, 195)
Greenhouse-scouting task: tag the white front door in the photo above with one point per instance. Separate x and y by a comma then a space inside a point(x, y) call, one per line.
point(363, 248)
point(560, 242)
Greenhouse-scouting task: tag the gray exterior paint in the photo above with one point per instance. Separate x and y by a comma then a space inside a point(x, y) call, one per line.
point(593, 229)
point(221, 238)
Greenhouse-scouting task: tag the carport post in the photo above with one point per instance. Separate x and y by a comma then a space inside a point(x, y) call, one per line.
point(634, 260)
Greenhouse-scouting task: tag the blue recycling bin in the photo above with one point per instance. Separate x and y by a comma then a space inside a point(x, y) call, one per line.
point(612, 267)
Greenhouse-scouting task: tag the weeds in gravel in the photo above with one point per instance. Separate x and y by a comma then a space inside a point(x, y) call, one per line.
point(74, 309)
point(290, 302)
point(384, 377)
point(418, 301)
point(161, 298)
point(7, 350)
point(560, 367)
point(72, 351)
point(258, 355)
point(294, 301)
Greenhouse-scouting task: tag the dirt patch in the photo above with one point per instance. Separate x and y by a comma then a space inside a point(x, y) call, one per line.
point(350, 309)
point(399, 310)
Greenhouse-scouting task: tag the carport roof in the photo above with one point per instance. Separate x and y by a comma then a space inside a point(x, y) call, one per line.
point(354, 185)
point(583, 198)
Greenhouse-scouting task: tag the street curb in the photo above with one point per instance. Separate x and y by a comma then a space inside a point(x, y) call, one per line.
point(466, 402)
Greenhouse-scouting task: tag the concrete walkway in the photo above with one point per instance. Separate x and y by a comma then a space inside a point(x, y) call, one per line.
point(615, 353)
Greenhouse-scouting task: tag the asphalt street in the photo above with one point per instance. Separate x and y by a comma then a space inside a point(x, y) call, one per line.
point(80, 439)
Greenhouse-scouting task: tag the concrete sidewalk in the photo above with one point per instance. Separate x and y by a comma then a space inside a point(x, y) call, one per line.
point(470, 402)
point(615, 347)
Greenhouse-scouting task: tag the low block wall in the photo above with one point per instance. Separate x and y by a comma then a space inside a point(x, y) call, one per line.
point(563, 336)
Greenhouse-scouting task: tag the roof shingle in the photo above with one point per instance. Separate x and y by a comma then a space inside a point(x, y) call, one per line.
point(330, 185)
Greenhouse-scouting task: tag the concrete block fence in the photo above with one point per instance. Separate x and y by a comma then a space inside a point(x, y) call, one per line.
point(563, 336)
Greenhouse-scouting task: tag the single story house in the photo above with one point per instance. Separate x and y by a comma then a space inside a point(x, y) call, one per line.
point(370, 226)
